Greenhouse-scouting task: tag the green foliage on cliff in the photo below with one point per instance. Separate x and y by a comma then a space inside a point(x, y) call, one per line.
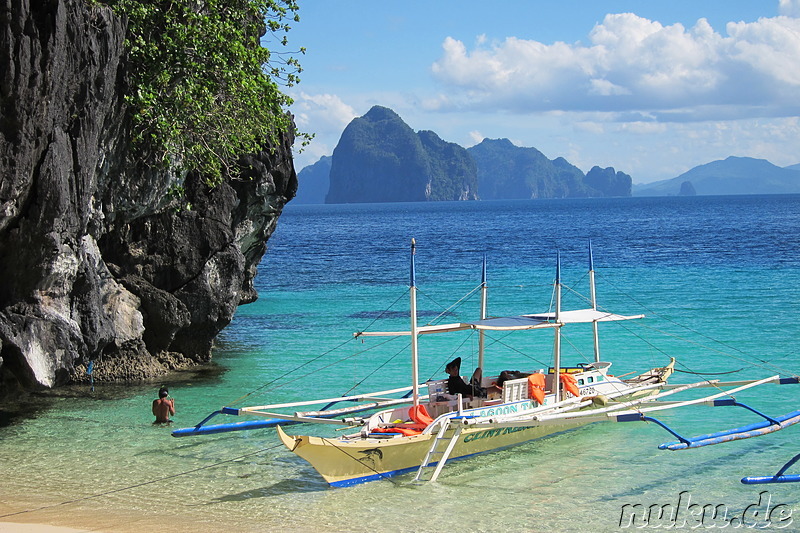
point(453, 175)
point(202, 88)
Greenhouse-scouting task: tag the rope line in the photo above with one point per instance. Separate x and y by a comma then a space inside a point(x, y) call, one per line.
point(380, 367)
point(708, 373)
point(761, 363)
point(290, 372)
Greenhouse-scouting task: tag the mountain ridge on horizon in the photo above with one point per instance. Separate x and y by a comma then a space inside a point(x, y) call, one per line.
point(729, 176)
point(511, 171)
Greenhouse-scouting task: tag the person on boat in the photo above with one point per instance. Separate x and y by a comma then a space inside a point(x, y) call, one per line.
point(507, 375)
point(456, 384)
point(163, 407)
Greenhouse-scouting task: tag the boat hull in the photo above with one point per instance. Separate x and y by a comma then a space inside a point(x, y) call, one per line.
point(344, 463)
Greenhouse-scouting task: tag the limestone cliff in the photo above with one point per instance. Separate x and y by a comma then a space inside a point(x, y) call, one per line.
point(97, 261)
point(506, 171)
point(608, 182)
point(379, 158)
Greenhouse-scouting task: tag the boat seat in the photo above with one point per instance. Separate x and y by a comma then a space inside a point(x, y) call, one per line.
point(515, 390)
point(440, 401)
point(437, 391)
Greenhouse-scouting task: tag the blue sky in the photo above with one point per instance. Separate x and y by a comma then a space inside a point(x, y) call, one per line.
point(650, 87)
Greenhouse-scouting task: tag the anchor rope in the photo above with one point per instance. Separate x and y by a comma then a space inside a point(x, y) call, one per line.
point(453, 306)
point(377, 369)
point(442, 314)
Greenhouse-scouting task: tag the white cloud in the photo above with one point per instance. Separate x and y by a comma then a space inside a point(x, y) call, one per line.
point(641, 128)
point(325, 116)
point(789, 8)
point(476, 136)
point(633, 64)
point(606, 88)
point(771, 47)
point(321, 112)
point(585, 126)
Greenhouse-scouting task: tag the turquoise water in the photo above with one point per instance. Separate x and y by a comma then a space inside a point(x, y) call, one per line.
point(718, 278)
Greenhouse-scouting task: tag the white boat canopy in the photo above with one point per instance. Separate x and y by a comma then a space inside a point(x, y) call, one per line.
point(510, 323)
point(582, 316)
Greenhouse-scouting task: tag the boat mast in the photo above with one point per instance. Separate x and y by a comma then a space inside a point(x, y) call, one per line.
point(593, 294)
point(557, 342)
point(484, 300)
point(414, 347)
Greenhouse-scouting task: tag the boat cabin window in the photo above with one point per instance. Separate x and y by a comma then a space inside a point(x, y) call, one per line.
point(590, 379)
point(580, 381)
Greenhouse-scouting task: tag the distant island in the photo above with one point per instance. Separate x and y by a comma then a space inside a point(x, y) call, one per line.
point(734, 175)
point(509, 172)
point(316, 180)
point(379, 158)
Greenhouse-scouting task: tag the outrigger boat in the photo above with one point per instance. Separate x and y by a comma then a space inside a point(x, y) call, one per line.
point(421, 427)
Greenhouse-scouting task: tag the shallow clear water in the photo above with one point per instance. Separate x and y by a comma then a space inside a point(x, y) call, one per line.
point(717, 277)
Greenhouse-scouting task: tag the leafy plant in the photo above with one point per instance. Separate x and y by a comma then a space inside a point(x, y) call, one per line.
point(201, 87)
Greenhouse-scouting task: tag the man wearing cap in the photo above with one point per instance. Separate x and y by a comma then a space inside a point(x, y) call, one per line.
point(456, 385)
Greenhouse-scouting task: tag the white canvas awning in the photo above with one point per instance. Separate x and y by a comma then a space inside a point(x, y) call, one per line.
point(511, 323)
point(583, 316)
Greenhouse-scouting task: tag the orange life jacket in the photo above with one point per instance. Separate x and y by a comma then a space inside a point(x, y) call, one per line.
point(536, 387)
point(420, 415)
point(407, 431)
point(570, 384)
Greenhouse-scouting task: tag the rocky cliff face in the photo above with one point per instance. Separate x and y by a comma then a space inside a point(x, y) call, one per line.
point(506, 171)
point(97, 264)
point(379, 158)
point(609, 182)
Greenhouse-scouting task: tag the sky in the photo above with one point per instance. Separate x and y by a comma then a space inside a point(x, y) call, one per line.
point(652, 88)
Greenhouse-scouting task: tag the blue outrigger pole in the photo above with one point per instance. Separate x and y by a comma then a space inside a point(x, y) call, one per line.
point(202, 429)
point(324, 415)
point(757, 429)
point(780, 477)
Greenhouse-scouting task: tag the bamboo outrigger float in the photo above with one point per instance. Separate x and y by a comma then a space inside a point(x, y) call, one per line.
point(414, 432)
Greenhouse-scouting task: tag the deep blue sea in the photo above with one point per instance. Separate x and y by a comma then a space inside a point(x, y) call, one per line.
point(718, 279)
